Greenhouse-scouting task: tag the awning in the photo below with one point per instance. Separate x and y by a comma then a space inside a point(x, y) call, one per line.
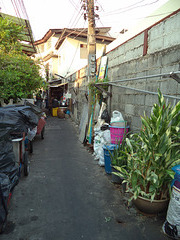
point(58, 85)
point(27, 40)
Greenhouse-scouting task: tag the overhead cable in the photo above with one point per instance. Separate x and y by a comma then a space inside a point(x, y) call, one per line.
point(129, 9)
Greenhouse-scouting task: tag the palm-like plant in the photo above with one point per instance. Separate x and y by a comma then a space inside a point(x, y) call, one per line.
point(153, 152)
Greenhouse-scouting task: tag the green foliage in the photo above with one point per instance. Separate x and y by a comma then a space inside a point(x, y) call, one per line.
point(119, 154)
point(19, 74)
point(153, 152)
point(93, 91)
point(10, 35)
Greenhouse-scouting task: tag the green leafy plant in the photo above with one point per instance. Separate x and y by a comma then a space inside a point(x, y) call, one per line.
point(153, 152)
point(19, 74)
point(119, 154)
point(10, 36)
point(93, 91)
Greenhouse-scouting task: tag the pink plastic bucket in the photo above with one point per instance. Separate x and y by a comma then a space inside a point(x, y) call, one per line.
point(117, 134)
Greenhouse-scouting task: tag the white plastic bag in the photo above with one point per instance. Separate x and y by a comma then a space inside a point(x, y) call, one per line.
point(100, 121)
point(172, 224)
point(101, 155)
point(107, 137)
point(31, 133)
point(97, 143)
point(173, 213)
point(117, 119)
point(117, 116)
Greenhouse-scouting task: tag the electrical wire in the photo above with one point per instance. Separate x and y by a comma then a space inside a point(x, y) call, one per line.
point(74, 4)
point(129, 9)
point(16, 12)
point(76, 20)
point(151, 16)
point(103, 26)
point(113, 11)
point(75, 51)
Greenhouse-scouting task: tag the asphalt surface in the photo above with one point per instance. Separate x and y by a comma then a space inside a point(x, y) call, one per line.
point(68, 196)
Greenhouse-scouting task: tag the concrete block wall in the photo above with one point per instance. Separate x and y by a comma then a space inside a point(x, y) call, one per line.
point(129, 61)
point(163, 56)
point(164, 35)
point(78, 88)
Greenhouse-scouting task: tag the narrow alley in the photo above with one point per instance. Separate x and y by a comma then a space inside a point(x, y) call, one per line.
point(68, 196)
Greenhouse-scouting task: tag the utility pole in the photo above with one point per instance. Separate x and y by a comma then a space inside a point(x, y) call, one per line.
point(91, 46)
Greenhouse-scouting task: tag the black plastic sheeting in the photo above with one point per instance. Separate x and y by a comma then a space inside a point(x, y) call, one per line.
point(14, 120)
point(18, 118)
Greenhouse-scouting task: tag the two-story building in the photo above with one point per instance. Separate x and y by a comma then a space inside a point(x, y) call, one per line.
point(64, 51)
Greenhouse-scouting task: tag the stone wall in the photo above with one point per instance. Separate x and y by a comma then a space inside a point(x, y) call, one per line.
point(152, 52)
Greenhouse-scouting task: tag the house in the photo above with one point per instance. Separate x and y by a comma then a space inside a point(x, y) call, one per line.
point(64, 51)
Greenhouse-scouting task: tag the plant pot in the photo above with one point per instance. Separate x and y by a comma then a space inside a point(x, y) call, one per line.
point(146, 206)
point(124, 187)
point(116, 179)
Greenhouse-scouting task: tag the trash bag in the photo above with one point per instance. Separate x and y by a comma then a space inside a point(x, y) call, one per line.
point(100, 121)
point(5, 189)
point(105, 127)
point(8, 165)
point(96, 145)
point(171, 227)
point(107, 136)
point(18, 118)
point(117, 119)
point(105, 116)
point(101, 138)
point(31, 133)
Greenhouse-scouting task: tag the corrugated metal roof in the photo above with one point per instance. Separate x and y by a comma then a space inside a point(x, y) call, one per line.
point(27, 36)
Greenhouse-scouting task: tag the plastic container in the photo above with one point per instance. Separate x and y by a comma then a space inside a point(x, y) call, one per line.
point(117, 133)
point(107, 158)
point(54, 111)
point(176, 179)
point(119, 124)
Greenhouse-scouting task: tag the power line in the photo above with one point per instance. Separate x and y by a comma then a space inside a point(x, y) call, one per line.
point(16, 12)
point(74, 4)
point(129, 9)
point(76, 49)
point(76, 20)
point(123, 8)
point(151, 16)
point(103, 26)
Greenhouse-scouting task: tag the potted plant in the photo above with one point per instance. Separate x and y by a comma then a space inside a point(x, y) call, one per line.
point(151, 155)
point(118, 159)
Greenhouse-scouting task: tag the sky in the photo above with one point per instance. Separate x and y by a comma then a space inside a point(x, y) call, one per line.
point(46, 14)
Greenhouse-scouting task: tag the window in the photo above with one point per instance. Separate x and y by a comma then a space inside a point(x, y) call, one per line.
point(83, 51)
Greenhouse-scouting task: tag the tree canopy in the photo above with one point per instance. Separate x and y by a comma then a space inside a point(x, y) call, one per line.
point(19, 74)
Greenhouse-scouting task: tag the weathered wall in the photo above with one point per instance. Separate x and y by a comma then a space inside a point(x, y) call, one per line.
point(78, 86)
point(127, 61)
point(132, 59)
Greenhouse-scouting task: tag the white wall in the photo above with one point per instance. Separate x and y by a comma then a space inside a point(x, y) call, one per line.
point(69, 53)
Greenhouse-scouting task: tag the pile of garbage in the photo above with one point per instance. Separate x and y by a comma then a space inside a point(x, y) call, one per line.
point(14, 120)
point(102, 133)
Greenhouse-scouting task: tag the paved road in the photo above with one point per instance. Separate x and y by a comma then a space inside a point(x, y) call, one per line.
point(67, 196)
